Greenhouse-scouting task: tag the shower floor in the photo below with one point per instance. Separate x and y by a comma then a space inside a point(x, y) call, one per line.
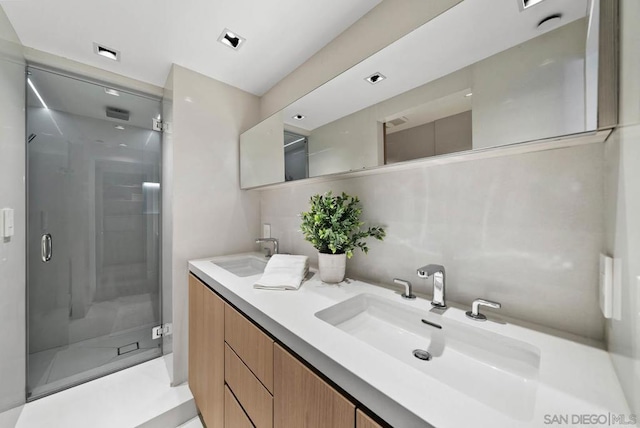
point(58, 368)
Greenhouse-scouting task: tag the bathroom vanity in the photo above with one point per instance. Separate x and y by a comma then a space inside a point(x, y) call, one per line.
point(342, 356)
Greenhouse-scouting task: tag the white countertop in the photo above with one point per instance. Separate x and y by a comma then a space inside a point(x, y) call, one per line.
point(575, 378)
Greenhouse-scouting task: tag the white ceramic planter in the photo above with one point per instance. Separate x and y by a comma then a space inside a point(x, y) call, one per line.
point(332, 267)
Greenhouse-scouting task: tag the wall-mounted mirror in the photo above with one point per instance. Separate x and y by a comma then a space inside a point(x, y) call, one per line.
point(485, 73)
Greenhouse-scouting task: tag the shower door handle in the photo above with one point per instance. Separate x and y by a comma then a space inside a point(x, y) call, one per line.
point(46, 247)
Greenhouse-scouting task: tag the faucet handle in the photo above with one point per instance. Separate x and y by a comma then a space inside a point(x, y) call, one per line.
point(475, 314)
point(407, 288)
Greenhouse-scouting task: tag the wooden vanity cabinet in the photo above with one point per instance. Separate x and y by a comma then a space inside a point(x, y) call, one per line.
point(248, 366)
point(241, 378)
point(364, 421)
point(206, 352)
point(234, 415)
point(254, 398)
point(302, 399)
point(196, 324)
point(251, 345)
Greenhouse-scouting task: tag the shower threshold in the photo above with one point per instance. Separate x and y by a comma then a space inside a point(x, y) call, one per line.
point(56, 369)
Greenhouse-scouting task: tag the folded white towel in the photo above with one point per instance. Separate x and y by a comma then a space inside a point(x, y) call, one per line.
point(284, 272)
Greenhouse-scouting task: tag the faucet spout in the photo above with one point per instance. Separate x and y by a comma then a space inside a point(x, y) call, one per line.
point(274, 241)
point(428, 270)
point(437, 271)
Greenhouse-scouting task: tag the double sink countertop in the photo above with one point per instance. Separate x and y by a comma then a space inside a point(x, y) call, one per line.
point(526, 376)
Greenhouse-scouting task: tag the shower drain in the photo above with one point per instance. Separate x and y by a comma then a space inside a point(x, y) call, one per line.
point(421, 354)
point(128, 348)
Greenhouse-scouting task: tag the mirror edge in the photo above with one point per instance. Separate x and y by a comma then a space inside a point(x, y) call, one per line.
point(553, 143)
point(608, 64)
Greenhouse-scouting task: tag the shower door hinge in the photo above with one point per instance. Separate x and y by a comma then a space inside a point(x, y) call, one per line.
point(161, 331)
point(159, 125)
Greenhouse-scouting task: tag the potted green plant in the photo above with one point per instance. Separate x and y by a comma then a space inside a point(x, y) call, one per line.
point(332, 225)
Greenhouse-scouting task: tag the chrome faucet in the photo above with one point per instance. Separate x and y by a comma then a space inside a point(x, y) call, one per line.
point(475, 314)
point(437, 271)
point(274, 241)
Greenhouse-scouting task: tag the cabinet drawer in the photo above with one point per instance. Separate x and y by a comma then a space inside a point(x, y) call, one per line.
point(251, 394)
point(253, 347)
point(364, 421)
point(234, 416)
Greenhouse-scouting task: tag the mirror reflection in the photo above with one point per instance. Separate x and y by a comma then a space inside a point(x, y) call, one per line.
point(485, 73)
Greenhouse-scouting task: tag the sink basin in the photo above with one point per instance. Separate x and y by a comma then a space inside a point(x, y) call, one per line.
point(243, 266)
point(496, 370)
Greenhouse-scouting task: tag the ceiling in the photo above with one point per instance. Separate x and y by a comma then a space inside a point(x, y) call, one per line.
point(463, 35)
point(153, 34)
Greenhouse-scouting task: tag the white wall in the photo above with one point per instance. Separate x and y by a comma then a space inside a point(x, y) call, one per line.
point(12, 195)
point(524, 230)
point(210, 214)
point(531, 91)
point(623, 208)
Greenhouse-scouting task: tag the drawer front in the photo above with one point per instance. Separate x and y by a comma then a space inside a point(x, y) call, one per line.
point(234, 416)
point(251, 394)
point(302, 399)
point(252, 346)
point(364, 421)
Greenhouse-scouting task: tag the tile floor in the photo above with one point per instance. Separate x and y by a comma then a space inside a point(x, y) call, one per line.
point(193, 423)
point(140, 396)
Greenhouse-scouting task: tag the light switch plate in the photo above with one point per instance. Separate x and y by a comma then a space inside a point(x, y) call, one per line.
point(606, 286)
point(7, 226)
point(266, 230)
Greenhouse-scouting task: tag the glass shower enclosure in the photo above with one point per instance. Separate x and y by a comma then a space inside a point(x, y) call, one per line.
point(94, 230)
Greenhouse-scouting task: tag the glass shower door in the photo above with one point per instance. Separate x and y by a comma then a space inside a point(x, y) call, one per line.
point(94, 230)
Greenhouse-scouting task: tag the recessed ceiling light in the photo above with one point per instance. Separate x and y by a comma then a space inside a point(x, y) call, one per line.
point(524, 4)
point(298, 117)
point(122, 145)
point(469, 94)
point(35, 91)
point(150, 185)
point(375, 78)
point(231, 39)
point(106, 52)
point(119, 127)
point(295, 142)
point(113, 92)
